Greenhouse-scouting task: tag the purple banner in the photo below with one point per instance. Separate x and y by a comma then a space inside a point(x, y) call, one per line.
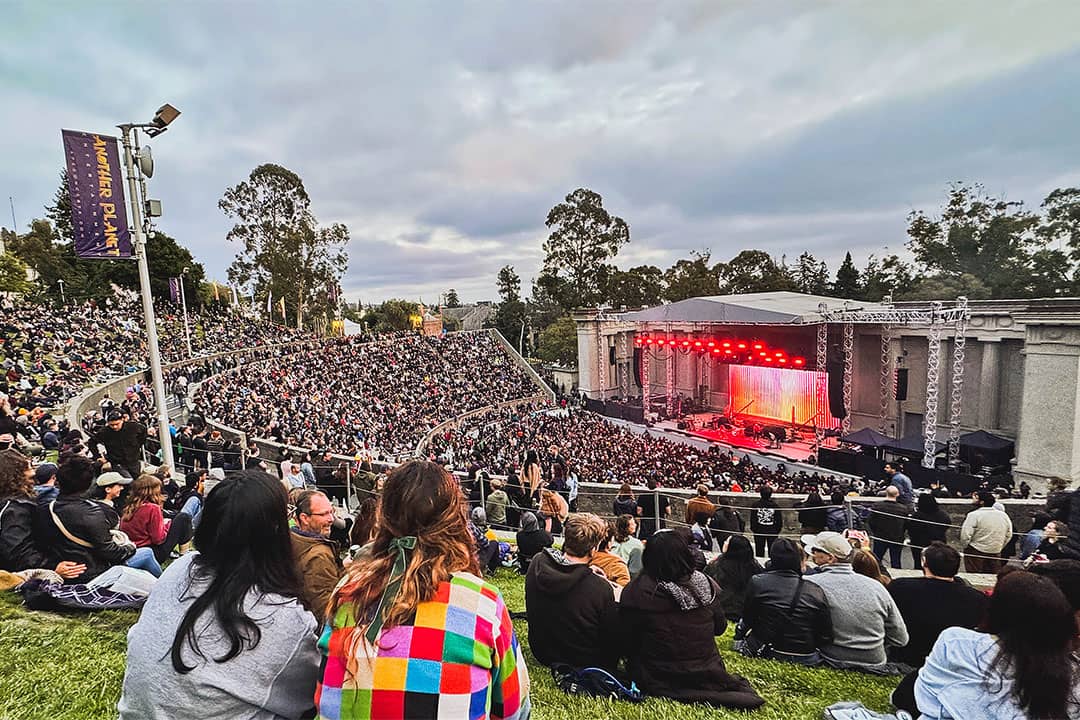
point(174, 289)
point(96, 182)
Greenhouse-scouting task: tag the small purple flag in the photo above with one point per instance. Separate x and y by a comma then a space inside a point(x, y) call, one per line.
point(174, 289)
point(96, 184)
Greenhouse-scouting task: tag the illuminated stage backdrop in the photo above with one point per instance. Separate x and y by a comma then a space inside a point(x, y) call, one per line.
point(776, 391)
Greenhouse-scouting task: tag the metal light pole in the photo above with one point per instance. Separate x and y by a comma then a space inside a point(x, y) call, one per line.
point(164, 438)
point(183, 303)
point(63, 300)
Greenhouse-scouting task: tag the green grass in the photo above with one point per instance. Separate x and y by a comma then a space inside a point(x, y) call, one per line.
point(70, 667)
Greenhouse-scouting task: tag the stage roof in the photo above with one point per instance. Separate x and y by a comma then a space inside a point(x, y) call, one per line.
point(769, 308)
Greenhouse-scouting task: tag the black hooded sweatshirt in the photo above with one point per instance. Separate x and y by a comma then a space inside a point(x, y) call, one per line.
point(573, 617)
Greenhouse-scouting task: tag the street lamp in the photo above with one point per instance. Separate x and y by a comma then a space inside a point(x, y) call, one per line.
point(165, 115)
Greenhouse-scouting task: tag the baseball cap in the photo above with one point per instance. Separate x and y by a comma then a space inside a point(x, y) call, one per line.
point(832, 543)
point(43, 472)
point(112, 478)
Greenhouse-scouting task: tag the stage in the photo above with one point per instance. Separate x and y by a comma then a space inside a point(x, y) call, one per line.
point(797, 449)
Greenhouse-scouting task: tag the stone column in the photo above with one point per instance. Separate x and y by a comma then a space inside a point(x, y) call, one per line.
point(587, 330)
point(989, 383)
point(1049, 437)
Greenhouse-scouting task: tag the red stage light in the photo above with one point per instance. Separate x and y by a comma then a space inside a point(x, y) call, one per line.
point(697, 343)
point(686, 343)
point(783, 360)
point(763, 354)
point(649, 341)
point(758, 346)
point(742, 346)
point(767, 359)
point(799, 361)
point(716, 350)
point(727, 352)
point(712, 344)
point(727, 344)
point(779, 353)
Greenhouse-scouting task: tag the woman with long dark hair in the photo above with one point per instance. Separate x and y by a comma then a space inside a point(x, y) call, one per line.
point(732, 570)
point(1019, 666)
point(671, 614)
point(926, 525)
point(223, 634)
point(531, 475)
point(417, 599)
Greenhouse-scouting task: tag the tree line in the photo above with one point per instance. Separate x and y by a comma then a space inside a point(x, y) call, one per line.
point(978, 245)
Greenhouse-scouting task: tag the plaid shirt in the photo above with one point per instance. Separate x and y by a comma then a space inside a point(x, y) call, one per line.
point(459, 658)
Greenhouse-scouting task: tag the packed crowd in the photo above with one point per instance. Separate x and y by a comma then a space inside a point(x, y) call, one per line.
point(348, 395)
point(50, 353)
point(603, 451)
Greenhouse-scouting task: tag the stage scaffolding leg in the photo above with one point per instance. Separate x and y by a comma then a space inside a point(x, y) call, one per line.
point(669, 381)
point(849, 351)
point(624, 385)
point(886, 377)
point(646, 380)
point(957, 395)
point(601, 360)
point(821, 389)
point(933, 360)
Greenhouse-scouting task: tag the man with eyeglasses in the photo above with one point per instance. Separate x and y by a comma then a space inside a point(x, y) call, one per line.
point(317, 556)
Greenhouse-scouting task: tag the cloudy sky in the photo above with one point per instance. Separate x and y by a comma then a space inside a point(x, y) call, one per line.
point(442, 132)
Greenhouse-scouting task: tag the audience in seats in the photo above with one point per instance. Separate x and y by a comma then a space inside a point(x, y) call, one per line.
point(413, 631)
point(626, 545)
point(144, 522)
point(732, 571)
point(1020, 664)
point(223, 634)
point(573, 616)
point(613, 566)
point(929, 605)
point(985, 533)
point(785, 617)
point(864, 616)
point(317, 556)
point(671, 614)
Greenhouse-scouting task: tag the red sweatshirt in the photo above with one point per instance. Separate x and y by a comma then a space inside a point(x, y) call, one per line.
point(147, 526)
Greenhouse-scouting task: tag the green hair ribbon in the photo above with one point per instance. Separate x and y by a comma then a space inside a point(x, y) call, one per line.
point(403, 546)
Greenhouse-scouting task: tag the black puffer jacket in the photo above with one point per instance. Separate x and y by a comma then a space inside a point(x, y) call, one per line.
point(768, 598)
point(89, 522)
point(19, 549)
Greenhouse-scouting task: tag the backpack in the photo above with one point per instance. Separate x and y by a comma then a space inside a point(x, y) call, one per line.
point(595, 682)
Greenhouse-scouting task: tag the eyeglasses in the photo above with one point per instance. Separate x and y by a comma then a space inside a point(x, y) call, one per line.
point(322, 514)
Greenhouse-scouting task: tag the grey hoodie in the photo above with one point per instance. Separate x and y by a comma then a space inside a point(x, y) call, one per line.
point(274, 681)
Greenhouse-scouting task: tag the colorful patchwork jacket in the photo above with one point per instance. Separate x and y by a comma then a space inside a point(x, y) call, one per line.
point(458, 658)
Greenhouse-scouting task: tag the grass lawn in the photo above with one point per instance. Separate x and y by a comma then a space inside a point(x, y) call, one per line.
point(70, 667)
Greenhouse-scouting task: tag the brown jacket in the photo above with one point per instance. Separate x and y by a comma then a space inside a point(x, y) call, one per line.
point(320, 570)
point(698, 505)
point(614, 567)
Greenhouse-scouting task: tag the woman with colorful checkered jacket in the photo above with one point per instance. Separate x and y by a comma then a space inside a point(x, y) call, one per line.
point(413, 631)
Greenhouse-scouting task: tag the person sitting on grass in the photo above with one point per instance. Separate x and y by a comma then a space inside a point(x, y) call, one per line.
point(732, 570)
point(1021, 664)
point(145, 523)
point(19, 546)
point(413, 631)
point(530, 539)
point(671, 616)
point(573, 616)
point(613, 566)
point(865, 618)
point(223, 634)
point(785, 617)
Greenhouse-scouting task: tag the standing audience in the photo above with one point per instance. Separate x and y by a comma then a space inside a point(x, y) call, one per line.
point(985, 533)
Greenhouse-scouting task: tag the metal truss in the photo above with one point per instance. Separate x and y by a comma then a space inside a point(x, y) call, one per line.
point(887, 379)
point(669, 381)
point(933, 315)
point(601, 360)
point(933, 359)
point(849, 351)
point(821, 388)
point(957, 389)
point(620, 364)
point(646, 378)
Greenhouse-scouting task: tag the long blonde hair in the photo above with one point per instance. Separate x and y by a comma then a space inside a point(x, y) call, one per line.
point(421, 500)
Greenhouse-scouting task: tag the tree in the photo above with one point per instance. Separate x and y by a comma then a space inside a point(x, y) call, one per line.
point(584, 236)
point(945, 287)
point(980, 235)
point(392, 316)
point(640, 286)
point(690, 278)
point(847, 284)
point(509, 283)
point(1061, 219)
point(810, 275)
point(283, 248)
point(510, 320)
point(13, 274)
point(452, 299)
point(754, 271)
point(888, 276)
point(558, 342)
